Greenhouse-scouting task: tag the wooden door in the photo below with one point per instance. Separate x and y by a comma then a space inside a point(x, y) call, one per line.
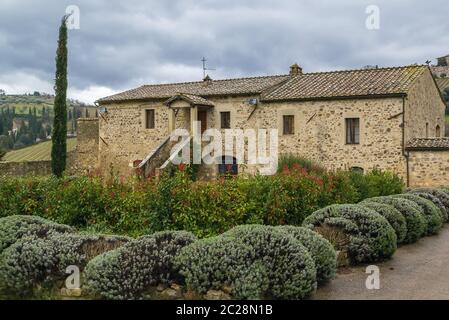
point(202, 117)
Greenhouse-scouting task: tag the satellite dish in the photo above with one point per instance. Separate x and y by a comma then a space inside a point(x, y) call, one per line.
point(253, 101)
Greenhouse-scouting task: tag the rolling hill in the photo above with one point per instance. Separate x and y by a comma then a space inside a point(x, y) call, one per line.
point(40, 151)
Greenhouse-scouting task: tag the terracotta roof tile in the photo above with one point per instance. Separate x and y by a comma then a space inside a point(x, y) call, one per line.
point(254, 85)
point(428, 144)
point(322, 85)
point(350, 83)
point(196, 100)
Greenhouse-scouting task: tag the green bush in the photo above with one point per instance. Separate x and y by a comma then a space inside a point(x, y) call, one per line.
point(376, 183)
point(15, 227)
point(320, 249)
point(175, 202)
point(125, 273)
point(393, 216)
point(291, 271)
point(416, 223)
point(440, 194)
point(431, 212)
point(218, 262)
point(110, 206)
point(436, 202)
point(371, 238)
point(33, 261)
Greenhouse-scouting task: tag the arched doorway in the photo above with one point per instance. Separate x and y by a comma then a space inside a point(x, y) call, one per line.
point(228, 166)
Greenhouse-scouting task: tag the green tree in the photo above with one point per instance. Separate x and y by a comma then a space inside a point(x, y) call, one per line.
point(59, 136)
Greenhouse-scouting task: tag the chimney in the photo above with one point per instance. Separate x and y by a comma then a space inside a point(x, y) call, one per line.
point(207, 78)
point(295, 70)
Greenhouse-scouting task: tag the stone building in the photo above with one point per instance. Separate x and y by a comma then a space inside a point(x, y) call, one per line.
point(387, 118)
point(441, 69)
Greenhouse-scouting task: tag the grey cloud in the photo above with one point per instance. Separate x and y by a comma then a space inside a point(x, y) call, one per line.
point(122, 44)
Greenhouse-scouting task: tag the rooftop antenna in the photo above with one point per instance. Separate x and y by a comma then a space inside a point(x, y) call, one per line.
point(204, 67)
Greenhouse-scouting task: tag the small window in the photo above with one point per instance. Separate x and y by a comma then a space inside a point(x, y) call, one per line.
point(427, 130)
point(438, 132)
point(225, 118)
point(288, 125)
point(353, 131)
point(149, 119)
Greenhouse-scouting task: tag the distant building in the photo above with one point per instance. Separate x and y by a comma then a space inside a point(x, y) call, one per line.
point(441, 70)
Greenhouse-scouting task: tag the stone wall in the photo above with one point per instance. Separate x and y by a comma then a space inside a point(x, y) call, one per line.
point(124, 138)
point(320, 132)
point(85, 158)
point(429, 168)
point(38, 168)
point(424, 106)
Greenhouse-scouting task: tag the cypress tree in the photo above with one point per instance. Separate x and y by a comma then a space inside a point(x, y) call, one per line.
point(59, 135)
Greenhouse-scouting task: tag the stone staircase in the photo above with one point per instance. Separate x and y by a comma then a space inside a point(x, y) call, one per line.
point(159, 158)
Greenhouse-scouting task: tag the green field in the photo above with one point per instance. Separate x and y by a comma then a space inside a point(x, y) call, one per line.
point(22, 104)
point(40, 151)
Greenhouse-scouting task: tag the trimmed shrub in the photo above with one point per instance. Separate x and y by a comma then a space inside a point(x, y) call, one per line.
point(320, 249)
point(33, 260)
point(291, 271)
point(15, 227)
point(125, 273)
point(416, 223)
point(431, 212)
point(371, 238)
point(435, 201)
point(440, 194)
point(393, 216)
point(376, 183)
point(218, 262)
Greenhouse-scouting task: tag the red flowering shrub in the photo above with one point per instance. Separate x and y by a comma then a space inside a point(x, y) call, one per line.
point(176, 201)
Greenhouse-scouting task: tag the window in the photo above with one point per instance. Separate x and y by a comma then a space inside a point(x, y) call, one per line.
point(225, 118)
point(353, 131)
point(288, 125)
point(149, 119)
point(438, 132)
point(427, 130)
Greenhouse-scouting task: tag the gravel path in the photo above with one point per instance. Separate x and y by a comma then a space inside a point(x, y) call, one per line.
point(417, 271)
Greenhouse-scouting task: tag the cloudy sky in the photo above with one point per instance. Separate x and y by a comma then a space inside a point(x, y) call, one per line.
point(124, 44)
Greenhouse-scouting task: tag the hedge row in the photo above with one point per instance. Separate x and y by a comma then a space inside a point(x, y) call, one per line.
point(36, 251)
point(251, 261)
point(254, 261)
point(136, 208)
point(371, 230)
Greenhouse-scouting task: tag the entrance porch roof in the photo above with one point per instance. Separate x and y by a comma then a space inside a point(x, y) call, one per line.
point(191, 99)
